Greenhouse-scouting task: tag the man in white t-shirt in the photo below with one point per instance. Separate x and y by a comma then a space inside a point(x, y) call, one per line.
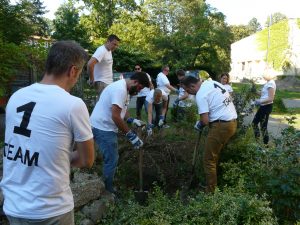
point(100, 66)
point(109, 116)
point(216, 110)
point(42, 123)
point(163, 83)
point(141, 97)
point(156, 99)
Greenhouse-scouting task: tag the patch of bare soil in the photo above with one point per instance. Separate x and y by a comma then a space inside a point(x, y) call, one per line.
point(166, 162)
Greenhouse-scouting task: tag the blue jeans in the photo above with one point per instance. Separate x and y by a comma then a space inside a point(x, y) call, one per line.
point(107, 142)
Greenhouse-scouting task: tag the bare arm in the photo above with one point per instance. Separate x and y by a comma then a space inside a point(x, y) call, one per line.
point(116, 117)
point(149, 113)
point(90, 68)
point(83, 156)
point(164, 109)
point(151, 85)
point(204, 118)
point(171, 87)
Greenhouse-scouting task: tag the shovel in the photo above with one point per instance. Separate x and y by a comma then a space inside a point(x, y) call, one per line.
point(188, 185)
point(141, 196)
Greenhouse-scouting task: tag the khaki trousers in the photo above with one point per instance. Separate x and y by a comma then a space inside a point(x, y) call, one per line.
point(218, 135)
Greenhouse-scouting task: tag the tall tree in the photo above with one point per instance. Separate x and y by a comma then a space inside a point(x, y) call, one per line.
point(192, 34)
point(239, 32)
point(103, 13)
point(33, 12)
point(275, 18)
point(67, 25)
point(254, 25)
point(14, 27)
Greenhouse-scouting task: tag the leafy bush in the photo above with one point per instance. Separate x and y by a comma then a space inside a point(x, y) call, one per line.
point(274, 171)
point(220, 208)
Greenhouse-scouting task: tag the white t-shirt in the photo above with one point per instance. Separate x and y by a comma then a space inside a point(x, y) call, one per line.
point(228, 88)
point(265, 90)
point(161, 81)
point(103, 68)
point(150, 96)
point(214, 99)
point(114, 94)
point(42, 123)
point(145, 90)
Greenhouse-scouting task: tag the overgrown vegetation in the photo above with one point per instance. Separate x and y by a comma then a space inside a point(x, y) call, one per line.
point(257, 185)
point(226, 207)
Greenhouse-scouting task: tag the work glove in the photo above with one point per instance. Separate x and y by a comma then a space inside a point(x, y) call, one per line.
point(134, 139)
point(149, 129)
point(198, 125)
point(176, 101)
point(136, 122)
point(89, 82)
point(161, 121)
point(257, 102)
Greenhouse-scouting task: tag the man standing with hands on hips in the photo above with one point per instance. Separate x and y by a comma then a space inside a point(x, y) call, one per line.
point(100, 65)
point(218, 112)
point(109, 116)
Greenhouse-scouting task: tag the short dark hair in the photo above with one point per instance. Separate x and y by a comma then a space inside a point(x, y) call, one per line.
point(188, 80)
point(112, 37)
point(180, 73)
point(64, 54)
point(142, 78)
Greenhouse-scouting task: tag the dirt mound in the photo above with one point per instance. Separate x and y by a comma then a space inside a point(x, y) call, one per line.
point(167, 163)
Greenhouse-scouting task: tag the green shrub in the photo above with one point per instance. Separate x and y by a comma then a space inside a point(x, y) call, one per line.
point(274, 171)
point(225, 207)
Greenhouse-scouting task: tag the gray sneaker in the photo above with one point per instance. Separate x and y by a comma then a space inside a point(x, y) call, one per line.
point(166, 126)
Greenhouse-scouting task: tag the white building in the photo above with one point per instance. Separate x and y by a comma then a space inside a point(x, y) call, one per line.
point(247, 61)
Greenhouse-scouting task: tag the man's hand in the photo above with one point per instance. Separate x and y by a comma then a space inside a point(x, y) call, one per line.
point(149, 129)
point(136, 122)
point(198, 125)
point(161, 121)
point(134, 139)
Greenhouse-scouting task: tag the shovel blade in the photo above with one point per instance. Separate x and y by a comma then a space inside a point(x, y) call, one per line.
point(141, 197)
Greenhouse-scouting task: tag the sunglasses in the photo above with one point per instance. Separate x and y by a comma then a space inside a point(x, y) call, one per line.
point(137, 68)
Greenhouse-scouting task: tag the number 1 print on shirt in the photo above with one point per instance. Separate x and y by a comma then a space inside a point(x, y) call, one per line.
point(222, 89)
point(27, 109)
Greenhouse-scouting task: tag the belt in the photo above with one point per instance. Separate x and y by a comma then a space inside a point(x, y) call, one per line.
point(222, 121)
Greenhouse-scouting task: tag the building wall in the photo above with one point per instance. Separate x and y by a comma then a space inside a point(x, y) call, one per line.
point(247, 61)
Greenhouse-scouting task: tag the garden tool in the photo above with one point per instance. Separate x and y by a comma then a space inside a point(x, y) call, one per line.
point(141, 196)
point(187, 186)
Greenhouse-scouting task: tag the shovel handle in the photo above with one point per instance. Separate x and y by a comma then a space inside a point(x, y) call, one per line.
point(141, 154)
point(196, 149)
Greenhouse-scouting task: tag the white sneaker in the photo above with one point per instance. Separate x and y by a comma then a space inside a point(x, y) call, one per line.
point(166, 126)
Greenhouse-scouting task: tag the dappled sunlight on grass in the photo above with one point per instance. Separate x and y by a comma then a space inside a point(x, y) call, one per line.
point(283, 117)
